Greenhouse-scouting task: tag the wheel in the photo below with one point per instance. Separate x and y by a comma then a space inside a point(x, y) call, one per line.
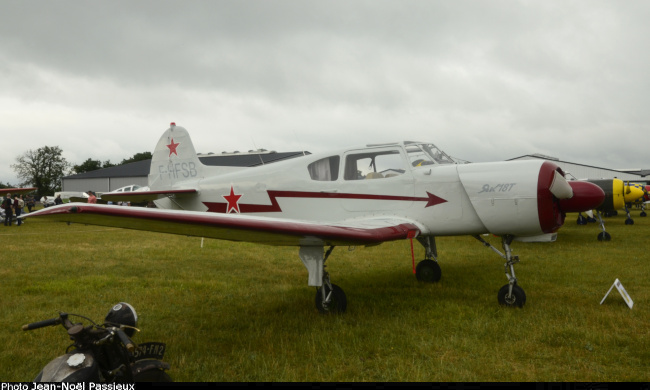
point(581, 220)
point(338, 304)
point(643, 214)
point(154, 375)
point(629, 221)
point(604, 236)
point(428, 271)
point(516, 299)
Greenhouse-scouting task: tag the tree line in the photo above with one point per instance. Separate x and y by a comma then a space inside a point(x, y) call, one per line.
point(45, 167)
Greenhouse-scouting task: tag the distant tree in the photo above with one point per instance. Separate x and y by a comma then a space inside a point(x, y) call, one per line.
point(87, 166)
point(91, 165)
point(137, 157)
point(3, 185)
point(42, 168)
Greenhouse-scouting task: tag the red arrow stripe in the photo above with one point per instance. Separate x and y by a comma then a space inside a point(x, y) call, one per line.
point(274, 207)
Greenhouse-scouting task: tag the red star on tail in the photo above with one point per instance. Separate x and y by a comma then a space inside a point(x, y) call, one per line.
point(172, 147)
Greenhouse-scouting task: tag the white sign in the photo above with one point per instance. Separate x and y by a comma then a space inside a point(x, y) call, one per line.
point(621, 289)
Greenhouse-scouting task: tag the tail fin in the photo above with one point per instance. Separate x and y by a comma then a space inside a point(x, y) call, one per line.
point(174, 160)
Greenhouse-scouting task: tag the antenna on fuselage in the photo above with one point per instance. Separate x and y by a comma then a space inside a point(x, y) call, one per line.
point(298, 142)
point(256, 149)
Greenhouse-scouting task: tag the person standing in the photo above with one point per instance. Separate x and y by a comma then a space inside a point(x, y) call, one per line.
point(31, 202)
point(18, 208)
point(7, 206)
point(91, 197)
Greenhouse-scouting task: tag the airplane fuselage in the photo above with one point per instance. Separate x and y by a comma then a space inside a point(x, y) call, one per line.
point(441, 198)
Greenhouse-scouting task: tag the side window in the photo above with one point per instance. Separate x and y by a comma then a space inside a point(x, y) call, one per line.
point(325, 169)
point(376, 165)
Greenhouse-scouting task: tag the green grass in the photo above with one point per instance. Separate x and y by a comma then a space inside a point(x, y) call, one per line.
point(243, 312)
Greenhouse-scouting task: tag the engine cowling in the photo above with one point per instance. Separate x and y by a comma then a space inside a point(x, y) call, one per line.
point(524, 198)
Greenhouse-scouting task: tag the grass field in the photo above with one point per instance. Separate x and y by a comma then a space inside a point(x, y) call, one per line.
point(243, 312)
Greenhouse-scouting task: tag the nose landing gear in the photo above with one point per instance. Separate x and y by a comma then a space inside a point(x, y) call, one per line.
point(511, 294)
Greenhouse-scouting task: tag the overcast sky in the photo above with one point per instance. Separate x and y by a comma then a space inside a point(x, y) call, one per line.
point(483, 80)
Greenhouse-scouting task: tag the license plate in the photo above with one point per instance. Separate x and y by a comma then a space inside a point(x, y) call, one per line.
point(150, 350)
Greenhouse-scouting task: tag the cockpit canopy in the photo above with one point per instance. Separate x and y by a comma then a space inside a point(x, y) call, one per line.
point(378, 161)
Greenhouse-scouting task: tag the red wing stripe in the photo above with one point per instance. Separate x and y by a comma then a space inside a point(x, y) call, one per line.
point(274, 207)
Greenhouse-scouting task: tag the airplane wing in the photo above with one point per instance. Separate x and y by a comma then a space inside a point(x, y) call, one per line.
point(16, 191)
point(145, 196)
point(235, 227)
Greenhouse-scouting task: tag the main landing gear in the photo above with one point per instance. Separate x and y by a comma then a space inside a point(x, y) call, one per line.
point(628, 220)
point(428, 270)
point(603, 235)
point(329, 298)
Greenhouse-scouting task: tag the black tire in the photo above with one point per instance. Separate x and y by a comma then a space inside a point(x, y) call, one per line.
point(517, 299)
point(604, 236)
point(339, 301)
point(581, 220)
point(629, 221)
point(154, 375)
point(428, 271)
point(643, 214)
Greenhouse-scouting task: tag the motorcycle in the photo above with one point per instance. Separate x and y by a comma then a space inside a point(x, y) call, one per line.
point(104, 353)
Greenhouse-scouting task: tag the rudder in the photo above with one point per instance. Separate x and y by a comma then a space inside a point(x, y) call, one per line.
point(174, 160)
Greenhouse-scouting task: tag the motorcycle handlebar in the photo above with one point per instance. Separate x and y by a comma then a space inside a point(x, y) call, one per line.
point(126, 340)
point(42, 324)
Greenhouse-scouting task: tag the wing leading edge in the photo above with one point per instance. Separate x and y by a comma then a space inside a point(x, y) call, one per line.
point(270, 231)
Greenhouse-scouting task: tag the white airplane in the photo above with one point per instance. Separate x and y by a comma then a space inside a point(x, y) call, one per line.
point(356, 196)
point(83, 196)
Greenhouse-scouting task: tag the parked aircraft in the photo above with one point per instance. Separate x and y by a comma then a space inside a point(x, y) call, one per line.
point(101, 196)
point(355, 196)
point(617, 195)
point(16, 191)
point(643, 200)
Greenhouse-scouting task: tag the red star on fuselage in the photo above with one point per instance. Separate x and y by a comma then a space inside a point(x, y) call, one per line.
point(232, 200)
point(172, 147)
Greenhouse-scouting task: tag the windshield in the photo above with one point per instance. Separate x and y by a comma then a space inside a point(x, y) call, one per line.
point(427, 154)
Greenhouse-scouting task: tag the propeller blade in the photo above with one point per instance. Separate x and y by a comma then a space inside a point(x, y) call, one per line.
point(560, 187)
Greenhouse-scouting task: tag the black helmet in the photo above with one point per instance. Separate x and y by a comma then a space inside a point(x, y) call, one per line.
point(123, 314)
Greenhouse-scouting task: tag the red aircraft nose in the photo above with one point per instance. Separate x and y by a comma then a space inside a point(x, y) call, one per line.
point(586, 196)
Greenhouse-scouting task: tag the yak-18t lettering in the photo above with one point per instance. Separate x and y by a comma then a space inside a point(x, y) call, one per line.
point(355, 196)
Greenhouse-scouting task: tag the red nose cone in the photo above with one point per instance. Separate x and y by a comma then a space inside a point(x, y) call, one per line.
point(586, 196)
